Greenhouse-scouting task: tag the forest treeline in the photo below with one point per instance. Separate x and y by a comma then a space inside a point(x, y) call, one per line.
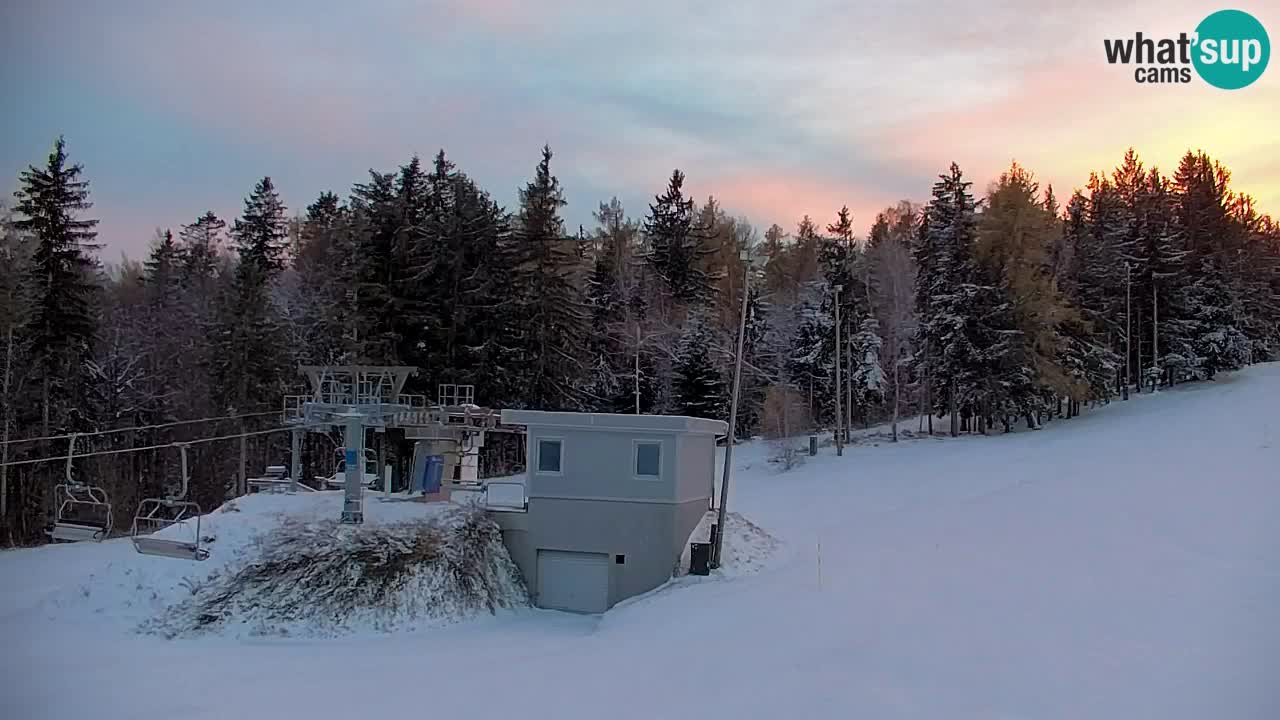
point(987, 307)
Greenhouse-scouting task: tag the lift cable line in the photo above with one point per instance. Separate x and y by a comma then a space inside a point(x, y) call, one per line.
point(139, 427)
point(162, 446)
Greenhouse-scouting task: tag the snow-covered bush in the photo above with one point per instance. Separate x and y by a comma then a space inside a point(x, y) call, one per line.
point(783, 416)
point(325, 578)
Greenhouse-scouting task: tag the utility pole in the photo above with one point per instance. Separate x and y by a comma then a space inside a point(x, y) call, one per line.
point(1155, 336)
point(1128, 330)
point(241, 482)
point(295, 457)
point(848, 386)
point(839, 412)
point(745, 255)
point(637, 367)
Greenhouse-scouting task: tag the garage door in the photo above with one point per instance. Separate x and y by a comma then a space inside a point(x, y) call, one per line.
point(574, 581)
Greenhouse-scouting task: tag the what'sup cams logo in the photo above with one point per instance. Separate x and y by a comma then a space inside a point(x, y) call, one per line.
point(1229, 50)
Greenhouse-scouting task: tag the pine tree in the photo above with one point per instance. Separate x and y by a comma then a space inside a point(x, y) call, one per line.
point(326, 313)
point(810, 360)
point(551, 306)
point(1214, 335)
point(162, 274)
point(607, 285)
point(700, 388)
point(1016, 235)
point(678, 244)
point(459, 289)
point(1085, 354)
point(1161, 255)
point(63, 320)
point(776, 277)
point(376, 234)
point(951, 297)
point(614, 320)
point(249, 358)
point(837, 257)
point(201, 245)
point(868, 376)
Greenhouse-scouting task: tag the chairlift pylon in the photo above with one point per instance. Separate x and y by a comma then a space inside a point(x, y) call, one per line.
point(158, 514)
point(83, 511)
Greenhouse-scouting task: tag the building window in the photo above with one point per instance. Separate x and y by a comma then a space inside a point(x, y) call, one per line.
point(648, 459)
point(549, 457)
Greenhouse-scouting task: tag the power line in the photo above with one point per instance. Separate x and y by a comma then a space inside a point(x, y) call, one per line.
point(63, 458)
point(139, 427)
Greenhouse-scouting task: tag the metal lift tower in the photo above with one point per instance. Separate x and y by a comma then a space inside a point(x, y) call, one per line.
point(353, 397)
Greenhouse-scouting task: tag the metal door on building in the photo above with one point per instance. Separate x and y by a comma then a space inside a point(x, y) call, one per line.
point(574, 581)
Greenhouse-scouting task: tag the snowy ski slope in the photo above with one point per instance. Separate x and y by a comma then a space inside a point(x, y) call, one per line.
point(1124, 564)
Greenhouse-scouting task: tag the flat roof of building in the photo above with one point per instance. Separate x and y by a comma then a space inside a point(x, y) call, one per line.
point(615, 422)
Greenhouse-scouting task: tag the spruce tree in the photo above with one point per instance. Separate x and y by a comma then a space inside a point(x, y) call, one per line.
point(377, 234)
point(951, 296)
point(1161, 269)
point(162, 274)
point(551, 307)
point(868, 375)
point(201, 245)
point(678, 244)
point(459, 288)
point(699, 387)
point(1213, 332)
point(250, 356)
point(614, 322)
point(325, 282)
point(50, 200)
point(810, 359)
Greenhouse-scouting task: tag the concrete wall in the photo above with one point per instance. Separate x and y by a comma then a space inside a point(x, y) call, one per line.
point(696, 468)
point(601, 464)
point(597, 504)
point(648, 536)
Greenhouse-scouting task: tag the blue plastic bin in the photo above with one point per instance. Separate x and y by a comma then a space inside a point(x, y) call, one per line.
point(432, 474)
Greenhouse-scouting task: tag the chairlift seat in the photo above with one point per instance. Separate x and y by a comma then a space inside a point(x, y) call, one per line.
point(76, 532)
point(148, 520)
point(163, 547)
point(271, 484)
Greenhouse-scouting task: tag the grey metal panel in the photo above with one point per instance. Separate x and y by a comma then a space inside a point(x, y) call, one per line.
point(574, 581)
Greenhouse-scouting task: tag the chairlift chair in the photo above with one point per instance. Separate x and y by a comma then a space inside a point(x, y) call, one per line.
point(83, 511)
point(156, 514)
point(370, 477)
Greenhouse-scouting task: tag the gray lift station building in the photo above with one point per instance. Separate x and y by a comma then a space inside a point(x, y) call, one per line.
point(611, 501)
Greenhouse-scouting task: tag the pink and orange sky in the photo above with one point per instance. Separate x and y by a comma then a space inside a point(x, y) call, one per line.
point(777, 109)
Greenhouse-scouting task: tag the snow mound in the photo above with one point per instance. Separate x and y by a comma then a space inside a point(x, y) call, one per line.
point(325, 579)
point(747, 547)
point(110, 583)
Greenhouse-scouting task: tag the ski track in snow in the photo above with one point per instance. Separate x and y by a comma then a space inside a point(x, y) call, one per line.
point(1123, 564)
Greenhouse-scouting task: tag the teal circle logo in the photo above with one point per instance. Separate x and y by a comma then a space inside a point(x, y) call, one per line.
point(1232, 49)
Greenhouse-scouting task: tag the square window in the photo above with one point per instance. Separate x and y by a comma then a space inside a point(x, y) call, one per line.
point(648, 459)
point(549, 456)
point(620, 559)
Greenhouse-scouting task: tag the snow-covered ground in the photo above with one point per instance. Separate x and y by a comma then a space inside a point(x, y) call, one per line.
point(1124, 564)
